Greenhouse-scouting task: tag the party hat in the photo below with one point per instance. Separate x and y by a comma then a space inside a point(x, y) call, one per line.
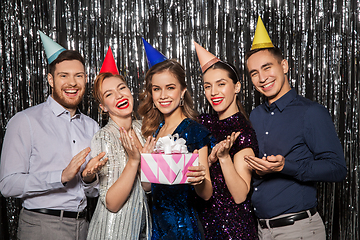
point(52, 49)
point(261, 37)
point(153, 55)
point(206, 58)
point(109, 64)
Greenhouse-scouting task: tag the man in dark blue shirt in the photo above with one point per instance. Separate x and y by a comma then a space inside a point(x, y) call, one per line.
point(298, 146)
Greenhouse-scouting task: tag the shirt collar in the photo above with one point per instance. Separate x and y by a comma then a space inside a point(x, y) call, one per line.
point(58, 110)
point(282, 102)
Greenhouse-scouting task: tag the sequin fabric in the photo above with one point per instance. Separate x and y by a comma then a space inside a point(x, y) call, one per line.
point(132, 221)
point(221, 217)
point(173, 211)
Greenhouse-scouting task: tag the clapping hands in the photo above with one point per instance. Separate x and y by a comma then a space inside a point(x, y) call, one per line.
point(222, 148)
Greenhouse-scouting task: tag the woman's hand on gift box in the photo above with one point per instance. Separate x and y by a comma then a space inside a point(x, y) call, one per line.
point(196, 174)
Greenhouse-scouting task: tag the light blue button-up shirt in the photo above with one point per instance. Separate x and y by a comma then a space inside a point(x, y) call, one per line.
point(39, 144)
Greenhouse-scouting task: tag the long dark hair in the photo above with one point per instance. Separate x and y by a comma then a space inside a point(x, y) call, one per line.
point(152, 116)
point(234, 76)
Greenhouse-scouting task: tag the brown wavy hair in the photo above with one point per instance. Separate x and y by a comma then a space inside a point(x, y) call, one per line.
point(152, 117)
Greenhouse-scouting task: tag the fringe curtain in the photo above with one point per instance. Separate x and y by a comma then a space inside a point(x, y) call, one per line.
point(319, 38)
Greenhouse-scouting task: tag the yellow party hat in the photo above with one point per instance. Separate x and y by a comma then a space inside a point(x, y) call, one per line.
point(206, 58)
point(261, 37)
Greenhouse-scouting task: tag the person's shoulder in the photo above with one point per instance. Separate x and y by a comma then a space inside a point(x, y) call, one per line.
point(313, 107)
point(194, 130)
point(105, 132)
point(90, 122)
point(257, 110)
point(27, 114)
point(206, 119)
point(88, 119)
point(137, 123)
point(194, 124)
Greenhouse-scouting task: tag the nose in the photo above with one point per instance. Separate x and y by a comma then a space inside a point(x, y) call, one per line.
point(72, 81)
point(214, 90)
point(262, 77)
point(118, 94)
point(163, 94)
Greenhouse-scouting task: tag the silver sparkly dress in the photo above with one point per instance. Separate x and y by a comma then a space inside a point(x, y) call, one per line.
point(132, 221)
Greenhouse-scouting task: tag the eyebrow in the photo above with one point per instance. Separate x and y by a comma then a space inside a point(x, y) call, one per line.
point(171, 84)
point(112, 90)
point(59, 73)
point(219, 80)
point(263, 66)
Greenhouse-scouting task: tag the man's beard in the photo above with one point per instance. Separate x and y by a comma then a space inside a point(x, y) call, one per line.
point(66, 102)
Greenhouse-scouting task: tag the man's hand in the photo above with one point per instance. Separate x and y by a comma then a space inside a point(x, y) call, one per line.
point(92, 167)
point(265, 165)
point(74, 166)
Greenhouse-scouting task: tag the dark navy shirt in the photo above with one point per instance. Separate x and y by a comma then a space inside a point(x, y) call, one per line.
point(303, 132)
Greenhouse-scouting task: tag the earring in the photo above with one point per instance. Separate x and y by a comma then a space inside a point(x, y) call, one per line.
point(154, 107)
point(181, 102)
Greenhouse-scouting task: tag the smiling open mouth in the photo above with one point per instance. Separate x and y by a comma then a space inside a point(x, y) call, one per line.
point(71, 92)
point(268, 86)
point(122, 104)
point(217, 101)
point(165, 104)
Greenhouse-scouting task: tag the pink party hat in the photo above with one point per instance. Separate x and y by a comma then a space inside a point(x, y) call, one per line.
point(206, 58)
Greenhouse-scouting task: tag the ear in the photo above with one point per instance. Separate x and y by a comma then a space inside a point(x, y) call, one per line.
point(285, 66)
point(237, 87)
point(50, 80)
point(103, 108)
point(183, 93)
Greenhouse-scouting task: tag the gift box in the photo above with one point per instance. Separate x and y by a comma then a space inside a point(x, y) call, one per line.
point(167, 168)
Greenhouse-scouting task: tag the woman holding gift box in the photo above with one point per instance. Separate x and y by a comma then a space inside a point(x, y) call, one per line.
point(228, 213)
point(122, 211)
point(166, 102)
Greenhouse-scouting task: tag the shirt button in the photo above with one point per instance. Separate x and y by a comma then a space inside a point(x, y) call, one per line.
point(272, 113)
point(73, 141)
point(255, 189)
point(254, 208)
point(264, 154)
point(266, 133)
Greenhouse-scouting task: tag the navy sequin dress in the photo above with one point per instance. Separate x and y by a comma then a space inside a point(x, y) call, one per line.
point(221, 217)
point(173, 213)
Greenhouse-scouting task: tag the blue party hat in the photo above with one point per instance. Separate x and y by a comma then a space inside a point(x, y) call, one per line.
point(52, 49)
point(153, 55)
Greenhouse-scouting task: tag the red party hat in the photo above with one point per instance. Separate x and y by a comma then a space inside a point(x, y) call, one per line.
point(109, 64)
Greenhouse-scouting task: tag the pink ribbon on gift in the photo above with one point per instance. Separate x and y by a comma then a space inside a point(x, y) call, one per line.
point(167, 166)
point(163, 165)
point(186, 166)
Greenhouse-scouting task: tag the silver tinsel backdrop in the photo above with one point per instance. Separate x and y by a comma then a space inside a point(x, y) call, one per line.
point(319, 38)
